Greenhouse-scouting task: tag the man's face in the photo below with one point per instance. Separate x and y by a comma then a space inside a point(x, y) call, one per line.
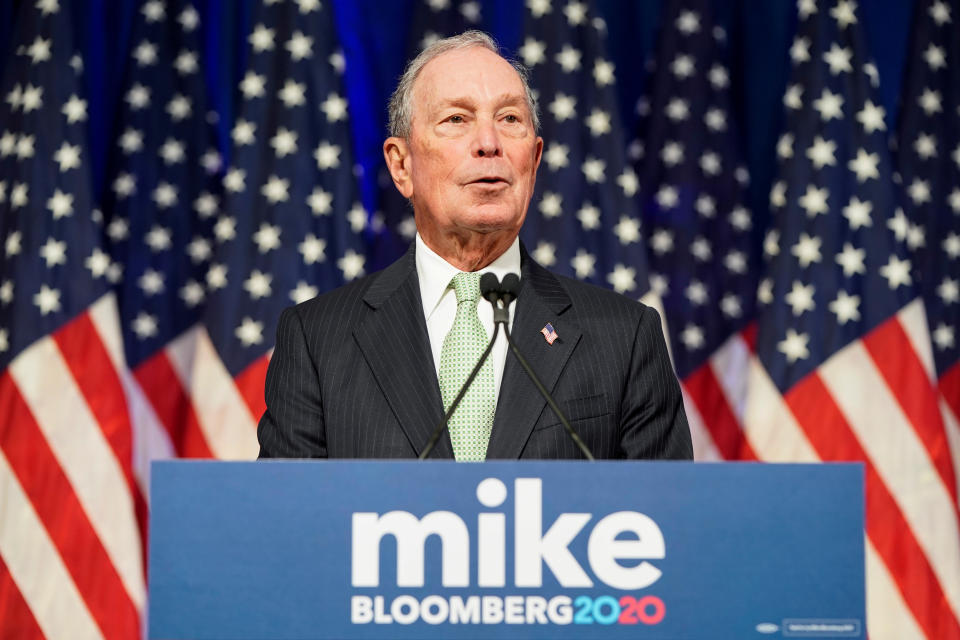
point(473, 153)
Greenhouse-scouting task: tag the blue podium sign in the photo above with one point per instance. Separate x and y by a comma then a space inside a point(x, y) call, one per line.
point(349, 549)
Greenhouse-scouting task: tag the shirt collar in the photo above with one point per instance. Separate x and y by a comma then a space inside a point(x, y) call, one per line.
point(435, 273)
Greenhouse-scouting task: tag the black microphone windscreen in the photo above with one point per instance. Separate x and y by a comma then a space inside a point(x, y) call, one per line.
point(510, 285)
point(490, 286)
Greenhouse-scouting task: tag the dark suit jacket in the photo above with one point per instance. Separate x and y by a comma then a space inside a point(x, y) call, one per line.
point(352, 375)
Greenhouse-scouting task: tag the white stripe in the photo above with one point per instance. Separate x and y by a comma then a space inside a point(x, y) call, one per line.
point(731, 368)
point(85, 456)
point(37, 568)
point(900, 458)
point(913, 319)
point(150, 439)
point(223, 415)
point(704, 449)
point(106, 319)
point(888, 617)
point(769, 425)
point(951, 423)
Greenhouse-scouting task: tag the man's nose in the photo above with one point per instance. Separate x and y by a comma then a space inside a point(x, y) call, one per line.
point(487, 141)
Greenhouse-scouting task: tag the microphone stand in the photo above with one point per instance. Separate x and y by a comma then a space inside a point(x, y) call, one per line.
point(501, 297)
point(511, 284)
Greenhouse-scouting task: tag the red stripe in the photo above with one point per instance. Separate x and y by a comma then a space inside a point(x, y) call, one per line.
point(749, 335)
point(831, 435)
point(250, 383)
point(16, 619)
point(949, 386)
point(891, 350)
point(63, 516)
point(705, 391)
point(92, 369)
point(162, 386)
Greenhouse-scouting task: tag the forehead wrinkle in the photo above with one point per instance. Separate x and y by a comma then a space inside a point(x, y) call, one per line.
point(469, 102)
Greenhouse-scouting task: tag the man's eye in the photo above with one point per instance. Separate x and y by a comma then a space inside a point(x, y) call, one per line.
point(455, 119)
point(512, 118)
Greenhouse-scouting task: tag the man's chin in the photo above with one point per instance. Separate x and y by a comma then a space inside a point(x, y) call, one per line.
point(491, 218)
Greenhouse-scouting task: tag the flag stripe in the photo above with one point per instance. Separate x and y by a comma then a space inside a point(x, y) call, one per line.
point(64, 519)
point(150, 439)
point(828, 430)
point(35, 566)
point(730, 364)
point(82, 451)
point(170, 401)
point(18, 621)
point(250, 383)
point(949, 386)
point(749, 336)
point(913, 321)
point(952, 425)
point(770, 426)
point(900, 459)
point(704, 449)
point(899, 365)
point(708, 395)
point(888, 617)
point(226, 422)
point(93, 371)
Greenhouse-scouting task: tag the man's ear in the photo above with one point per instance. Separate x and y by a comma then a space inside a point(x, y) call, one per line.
point(396, 153)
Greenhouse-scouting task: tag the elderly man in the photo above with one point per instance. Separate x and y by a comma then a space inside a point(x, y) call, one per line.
point(367, 370)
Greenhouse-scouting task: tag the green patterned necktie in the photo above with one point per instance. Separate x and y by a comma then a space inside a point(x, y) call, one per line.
point(471, 423)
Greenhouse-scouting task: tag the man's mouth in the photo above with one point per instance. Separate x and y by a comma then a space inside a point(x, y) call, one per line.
point(492, 180)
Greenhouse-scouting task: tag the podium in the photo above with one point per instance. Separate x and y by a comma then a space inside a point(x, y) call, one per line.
point(377, 549)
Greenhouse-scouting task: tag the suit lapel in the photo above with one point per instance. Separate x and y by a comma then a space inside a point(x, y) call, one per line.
point(541, 300)
point(396, 346)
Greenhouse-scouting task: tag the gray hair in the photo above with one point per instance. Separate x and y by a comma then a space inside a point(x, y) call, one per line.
point(401, 102)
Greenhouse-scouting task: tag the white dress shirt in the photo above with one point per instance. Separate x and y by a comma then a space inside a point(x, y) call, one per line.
point(440, 302)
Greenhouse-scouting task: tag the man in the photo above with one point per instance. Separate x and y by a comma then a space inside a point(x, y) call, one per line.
point(368, 369)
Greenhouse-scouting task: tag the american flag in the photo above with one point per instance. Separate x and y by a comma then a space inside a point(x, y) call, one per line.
point(549, 333)
point(435, 19)
point(701, 236)
point(161, 207)
point(842, 348)
point(583, 220)
point(292, 224)
point(928, 159)
point(71, 545)
point(173, 362)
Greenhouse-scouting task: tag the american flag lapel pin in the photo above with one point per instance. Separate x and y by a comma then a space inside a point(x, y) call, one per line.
point(549, 333)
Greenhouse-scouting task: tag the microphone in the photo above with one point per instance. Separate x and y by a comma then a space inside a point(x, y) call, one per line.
point(510, 288)
point(509, 291)
point(489, 290)
point(500, 295)
point(490, 287)
point(492, 292)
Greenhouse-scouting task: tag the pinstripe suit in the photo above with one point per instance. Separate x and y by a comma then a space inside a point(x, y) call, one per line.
point(352, 375)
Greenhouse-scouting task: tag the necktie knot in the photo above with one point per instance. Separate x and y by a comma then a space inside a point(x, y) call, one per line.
point(467, 287)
